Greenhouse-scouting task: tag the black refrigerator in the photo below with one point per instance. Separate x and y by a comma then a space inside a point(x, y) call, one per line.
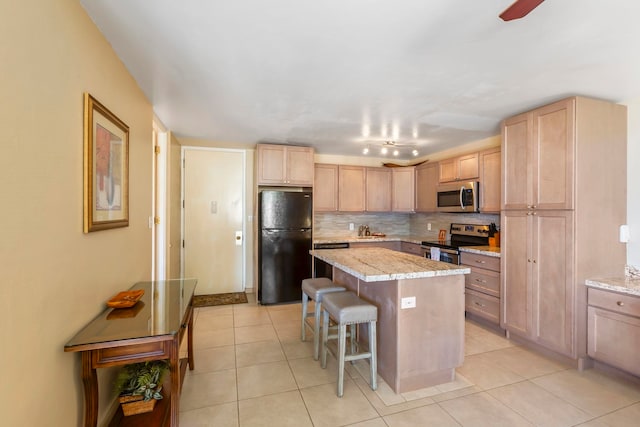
point(284, 243)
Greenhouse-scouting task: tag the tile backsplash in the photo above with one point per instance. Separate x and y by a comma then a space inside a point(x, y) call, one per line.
point(337, 224)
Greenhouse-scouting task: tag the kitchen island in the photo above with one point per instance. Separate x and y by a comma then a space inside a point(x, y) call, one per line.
point(420, 311)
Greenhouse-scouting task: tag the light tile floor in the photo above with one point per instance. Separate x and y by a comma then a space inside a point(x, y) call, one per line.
point(253, 370)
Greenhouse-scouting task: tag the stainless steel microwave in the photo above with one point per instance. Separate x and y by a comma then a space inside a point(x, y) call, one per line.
point(457, 197)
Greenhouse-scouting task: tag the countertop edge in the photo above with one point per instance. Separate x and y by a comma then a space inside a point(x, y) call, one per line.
point(615, 284)
point(492, 251)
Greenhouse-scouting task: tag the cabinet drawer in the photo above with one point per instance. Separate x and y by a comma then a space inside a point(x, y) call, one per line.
point(411, 248)
point(625, 304)
point(614, 339)
point(482, 261)
point(482, 305)
point(485, 281)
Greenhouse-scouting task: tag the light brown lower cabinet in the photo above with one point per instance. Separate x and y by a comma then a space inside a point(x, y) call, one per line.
point(482, 286)
point(614, 329)
point(538, 278)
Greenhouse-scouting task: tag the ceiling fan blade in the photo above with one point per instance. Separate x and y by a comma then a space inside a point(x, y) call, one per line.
point(519, 9)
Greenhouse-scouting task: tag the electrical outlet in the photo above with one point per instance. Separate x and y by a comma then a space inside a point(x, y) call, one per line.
point(428, 226)
point(408, 302)
point(351, 226)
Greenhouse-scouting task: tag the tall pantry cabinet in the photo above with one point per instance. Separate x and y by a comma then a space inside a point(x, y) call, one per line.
point(563, 199)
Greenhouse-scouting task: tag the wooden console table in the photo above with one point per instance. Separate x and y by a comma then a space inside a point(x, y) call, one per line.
point(151, 330)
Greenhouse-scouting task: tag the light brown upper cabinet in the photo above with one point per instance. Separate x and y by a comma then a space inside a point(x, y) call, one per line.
point(490, 172)
point(404, 184)
point(460, 168)
point(426, 183)
point(378, 189)
point(351, 188)
point(285, 165)
point(325, 188)
point(539, 150)
point(563, 197)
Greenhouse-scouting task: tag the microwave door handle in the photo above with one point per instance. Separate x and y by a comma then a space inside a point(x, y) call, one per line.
point(461, 201)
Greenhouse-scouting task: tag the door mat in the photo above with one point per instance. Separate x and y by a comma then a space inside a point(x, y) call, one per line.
point(219, 299)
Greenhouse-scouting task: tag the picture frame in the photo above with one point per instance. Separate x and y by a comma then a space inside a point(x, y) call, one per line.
point(106, 168)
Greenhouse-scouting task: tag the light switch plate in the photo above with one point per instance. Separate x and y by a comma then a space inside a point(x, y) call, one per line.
point(408, 302)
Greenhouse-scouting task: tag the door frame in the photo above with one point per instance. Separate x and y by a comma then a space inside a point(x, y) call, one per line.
point(160, 218)
point(244, 204)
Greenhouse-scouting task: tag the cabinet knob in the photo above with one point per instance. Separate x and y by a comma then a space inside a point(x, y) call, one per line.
point(478, 304)
point(620, 303)
point(481, 281)
point(534, 261)
point(533, 206)
point(528, 260)
point(479, 261)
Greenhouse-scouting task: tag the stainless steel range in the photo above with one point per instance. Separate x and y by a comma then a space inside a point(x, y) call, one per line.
point(461, 235)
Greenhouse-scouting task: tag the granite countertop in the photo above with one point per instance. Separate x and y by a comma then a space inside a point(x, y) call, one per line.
point(388, 238)
point(379, 264)
point(623, 284)
point(492, 251)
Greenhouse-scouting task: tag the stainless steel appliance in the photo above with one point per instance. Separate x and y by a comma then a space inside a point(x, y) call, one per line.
point(457, 197)
point(461, 235)
point(284, 242)
point(321, 268)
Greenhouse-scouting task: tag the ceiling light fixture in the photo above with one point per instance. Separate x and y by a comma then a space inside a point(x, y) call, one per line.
point(383, 150)
point(415, 153)
point(396, 152)
point(365, 150)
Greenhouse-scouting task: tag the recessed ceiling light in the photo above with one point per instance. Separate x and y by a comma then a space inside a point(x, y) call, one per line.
point(383, 150)
point(396, 152)
point(414, 152)
point(365, 150)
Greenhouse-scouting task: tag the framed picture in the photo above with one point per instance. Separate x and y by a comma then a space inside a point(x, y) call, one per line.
point(106, 168)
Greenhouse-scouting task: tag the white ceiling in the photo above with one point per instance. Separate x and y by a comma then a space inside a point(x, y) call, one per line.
point(339, 74)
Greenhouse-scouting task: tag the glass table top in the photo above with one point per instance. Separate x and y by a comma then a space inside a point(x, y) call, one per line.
point(160, 311)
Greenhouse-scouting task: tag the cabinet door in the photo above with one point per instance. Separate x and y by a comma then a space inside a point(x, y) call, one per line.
point(378, 190)
point(325, 188)
point(516, 168)
point(426, 183)
point(490, 172)
point(468, 167)
point(299, 163)
point(554, 145)
point(516, 272)
point(448, 170)
point(271, 164)
point(614, 339)
point(351, 188)
point(553, 288)
point(411, 248)
point(404, 193)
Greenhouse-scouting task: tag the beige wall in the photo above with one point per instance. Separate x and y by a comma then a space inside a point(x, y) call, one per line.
point(54, 278)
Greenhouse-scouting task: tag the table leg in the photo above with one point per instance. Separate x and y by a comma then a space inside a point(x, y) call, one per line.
point(90, 381)
point(174, 360)
point(190, 341)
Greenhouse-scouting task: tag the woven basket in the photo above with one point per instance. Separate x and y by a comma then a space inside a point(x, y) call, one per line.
point(132, 405)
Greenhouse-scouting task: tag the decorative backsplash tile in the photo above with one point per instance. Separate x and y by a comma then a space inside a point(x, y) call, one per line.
point(337, 224)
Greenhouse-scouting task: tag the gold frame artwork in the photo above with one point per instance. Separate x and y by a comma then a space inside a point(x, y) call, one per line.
point(106, 168)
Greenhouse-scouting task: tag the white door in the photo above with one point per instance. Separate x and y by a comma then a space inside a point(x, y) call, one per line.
point(213, 194)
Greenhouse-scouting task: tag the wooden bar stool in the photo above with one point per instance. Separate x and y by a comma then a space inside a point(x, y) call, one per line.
point(315, 288)
point(346, 308)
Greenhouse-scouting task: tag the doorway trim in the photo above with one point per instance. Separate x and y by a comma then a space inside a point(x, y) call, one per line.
point(244, 204)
